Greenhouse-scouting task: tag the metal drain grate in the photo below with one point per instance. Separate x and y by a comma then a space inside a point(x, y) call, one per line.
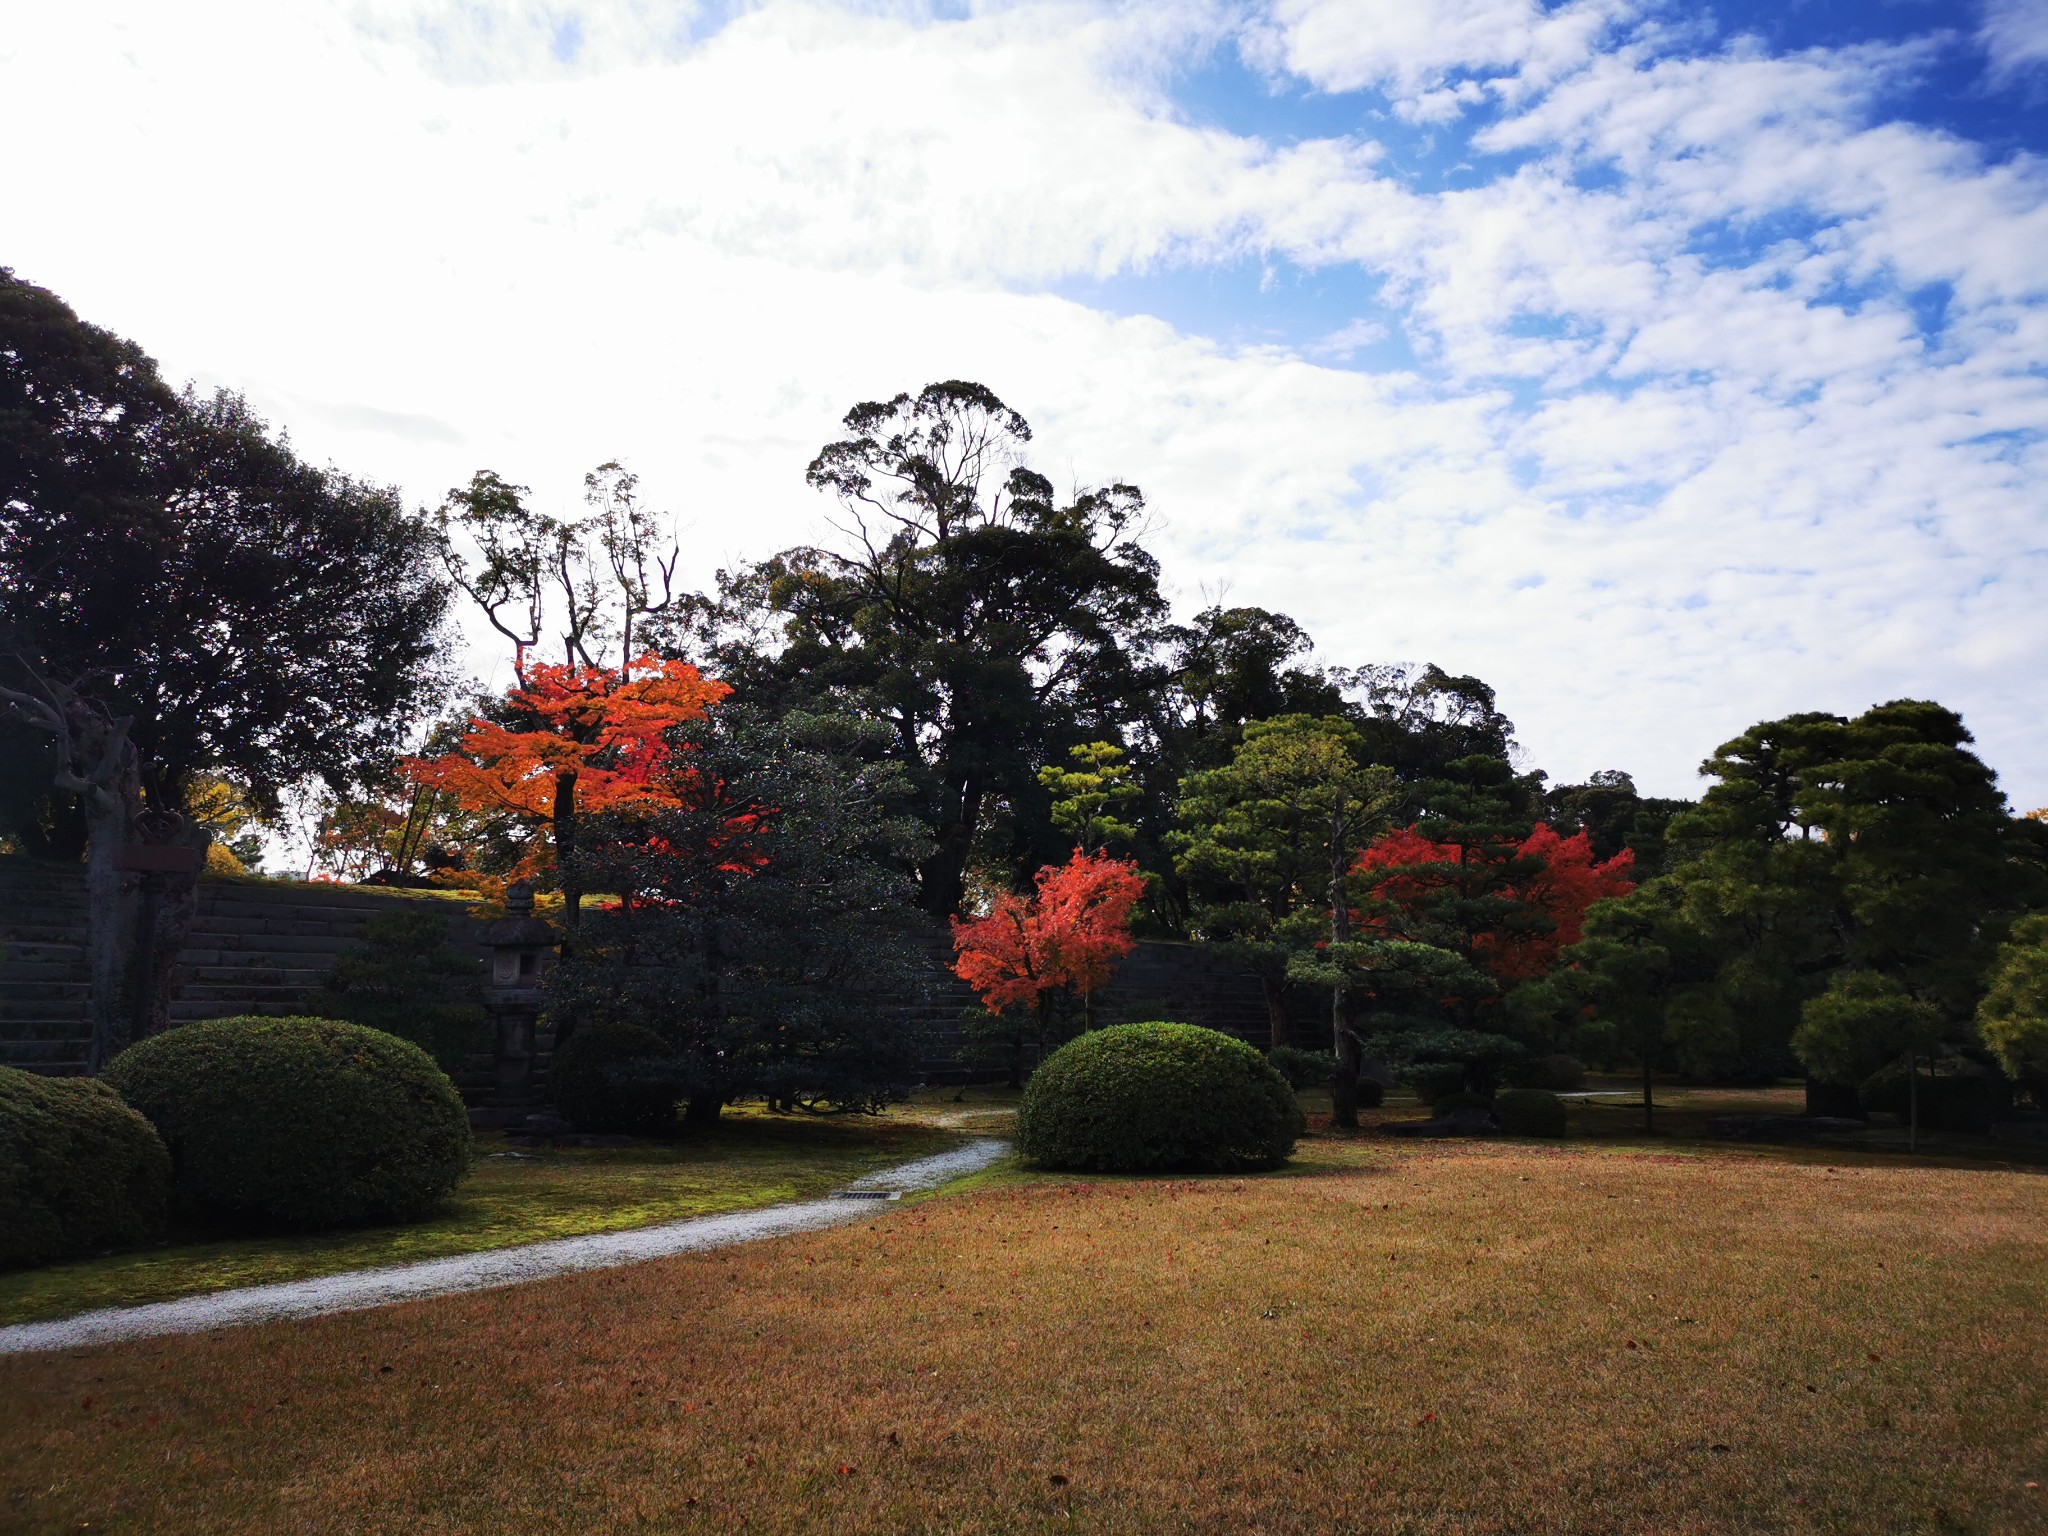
point(867, 1194)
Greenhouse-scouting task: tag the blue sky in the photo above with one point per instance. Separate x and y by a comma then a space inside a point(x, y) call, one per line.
point(1668, 366)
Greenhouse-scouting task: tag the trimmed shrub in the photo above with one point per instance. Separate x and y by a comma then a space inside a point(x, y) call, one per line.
point(1433, 1080)
point(1555, 1074)
point(1303, 1069)
point(1529, 1112)
point(1372, 1093)
point(595, 1087)
point(301, 1122)
point(1140, 1098)
point(80, 1172)
point(1451, 1101)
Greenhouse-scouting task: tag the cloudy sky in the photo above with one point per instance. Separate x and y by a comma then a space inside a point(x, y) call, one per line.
point(1670, 367)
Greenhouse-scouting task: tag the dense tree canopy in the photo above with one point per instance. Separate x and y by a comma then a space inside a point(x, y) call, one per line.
point(987, 620)
point(763, 925)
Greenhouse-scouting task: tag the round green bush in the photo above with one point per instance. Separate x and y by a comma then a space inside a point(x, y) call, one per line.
point(1141, 1098)
point(303, 1122)
point(1371, 1093)
point(594, 1088)
point(80, 1172)
point(1529, 1112)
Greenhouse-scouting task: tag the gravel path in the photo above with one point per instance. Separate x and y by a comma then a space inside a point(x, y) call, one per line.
point(502, 1266)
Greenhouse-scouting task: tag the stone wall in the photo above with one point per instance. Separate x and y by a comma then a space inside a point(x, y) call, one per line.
point(258, 947)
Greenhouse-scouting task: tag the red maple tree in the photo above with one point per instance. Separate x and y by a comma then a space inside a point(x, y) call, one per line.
point(1069, 933)
point(584, 739)
point(1533, 896)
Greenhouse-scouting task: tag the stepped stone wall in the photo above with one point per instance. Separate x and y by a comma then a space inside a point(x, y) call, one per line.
point(259, 947)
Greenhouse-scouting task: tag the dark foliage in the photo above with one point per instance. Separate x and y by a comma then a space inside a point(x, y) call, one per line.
point(408, 981)
point(1554, 1074)
point(80, 1172)
point(766, 928)
point(255, 616)
point(1303, 1069)
point(1529, 1112)
point(299, 1122)
point(1969, 1099)
point(613, 1077)
point(1138, 1098)
point(989, 623)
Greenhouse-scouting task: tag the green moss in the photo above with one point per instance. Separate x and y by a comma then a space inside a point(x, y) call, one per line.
point(751, 1161)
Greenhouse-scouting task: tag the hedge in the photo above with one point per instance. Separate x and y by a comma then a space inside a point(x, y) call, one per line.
point(301, 1122)
point(1138, 1098)
point(80, 1172)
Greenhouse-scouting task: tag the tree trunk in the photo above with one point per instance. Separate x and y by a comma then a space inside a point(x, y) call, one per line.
point(107, 925)
point(1275, 988)
point(1649, 1106)
point(942, 878)
point(565, 849)
point(1344, 1041)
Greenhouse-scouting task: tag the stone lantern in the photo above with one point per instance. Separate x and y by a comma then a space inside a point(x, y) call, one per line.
point(522, 946)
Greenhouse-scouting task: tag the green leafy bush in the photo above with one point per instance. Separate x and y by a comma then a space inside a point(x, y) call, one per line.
point(303, 1122)
point(1371, 1093)
point(408, 981)
point(1303, 1069)
point(1529, 1112)
point(1433, 1080)
point(1555, 1074)
point(1138, 1098)
point(80, 1172)
point(607, 1079)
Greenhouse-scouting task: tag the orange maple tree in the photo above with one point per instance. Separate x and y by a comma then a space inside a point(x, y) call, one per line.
point(1070, 932)
point(583, 738)
point(1538, 892)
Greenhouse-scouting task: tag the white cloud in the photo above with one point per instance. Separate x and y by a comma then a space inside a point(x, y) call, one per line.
point(1690, 393)
point(1415, 50)
point(2014, 33)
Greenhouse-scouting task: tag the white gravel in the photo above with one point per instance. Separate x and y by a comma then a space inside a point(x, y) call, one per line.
point(484, 1271)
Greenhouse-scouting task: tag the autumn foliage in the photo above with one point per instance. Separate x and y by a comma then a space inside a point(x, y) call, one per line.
point(600, 728)
point(1070, 932)
point(1541, 905)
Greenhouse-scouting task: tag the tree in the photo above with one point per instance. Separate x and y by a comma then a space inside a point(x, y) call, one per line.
point(1863, 1020)
point(764, 925)
point(581, 740)
point(1614, 817)
point(2013, 1017)
point(177, 571)
point(984, 618)
point(1068, 933)
point(1506, 908)
point(1462, 878)
point(1278, 829)
point(1088, 797)
point(1254, 848)
point(1421, 720)
point(601, 577)
point(1841, 879)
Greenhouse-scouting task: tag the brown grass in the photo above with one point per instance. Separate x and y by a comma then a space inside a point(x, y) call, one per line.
point(1503, 1338)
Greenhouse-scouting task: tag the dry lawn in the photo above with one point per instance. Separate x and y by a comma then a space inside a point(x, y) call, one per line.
point(1498, 1338)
